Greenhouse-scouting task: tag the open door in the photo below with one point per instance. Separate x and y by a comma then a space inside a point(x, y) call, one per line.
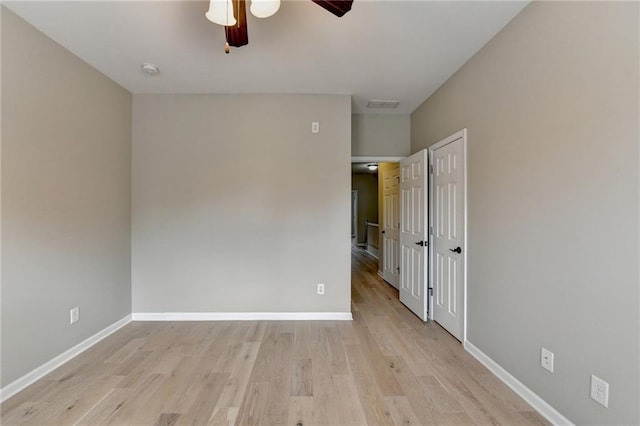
point(390, 226)
point(413, 233)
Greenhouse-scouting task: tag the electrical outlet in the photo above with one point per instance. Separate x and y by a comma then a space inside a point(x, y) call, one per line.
point(315, 127)
point(546, 359)
point(600, 391)
point(74, 315)
point(320, 288)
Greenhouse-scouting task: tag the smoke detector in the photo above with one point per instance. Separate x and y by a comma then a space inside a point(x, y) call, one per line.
point(150, 69)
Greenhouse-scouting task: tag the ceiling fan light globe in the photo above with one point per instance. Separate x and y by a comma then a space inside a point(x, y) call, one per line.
point(221, 12)
point(264, 8)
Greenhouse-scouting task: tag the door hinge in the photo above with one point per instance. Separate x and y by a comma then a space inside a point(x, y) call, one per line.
point(431, 230)
point(431, 168)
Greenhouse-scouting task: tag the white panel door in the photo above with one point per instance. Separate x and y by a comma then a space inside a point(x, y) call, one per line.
point(390, 227)
point(413, 233)
point(448, 221)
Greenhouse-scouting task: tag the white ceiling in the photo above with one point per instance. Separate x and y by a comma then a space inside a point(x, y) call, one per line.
point(395, 50)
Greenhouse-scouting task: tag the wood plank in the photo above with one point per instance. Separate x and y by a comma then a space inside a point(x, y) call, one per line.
point(167, 419)
point(302, 340)
point(75, 402)
point(369, 393)
point(224, 416)
point(252, 408)
point(302, 378)
point(384, 377)
point(301, 411)
point(443, 401)
point(211, 386)
point(400, 410)
point(236, 385)
point(413, 390)
point(277, 404)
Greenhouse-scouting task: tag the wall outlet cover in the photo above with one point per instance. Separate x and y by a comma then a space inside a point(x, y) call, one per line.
point(546, 359)
point(600, 391)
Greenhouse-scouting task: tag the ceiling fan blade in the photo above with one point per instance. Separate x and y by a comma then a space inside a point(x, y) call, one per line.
point(337, 7)
point(237, 34)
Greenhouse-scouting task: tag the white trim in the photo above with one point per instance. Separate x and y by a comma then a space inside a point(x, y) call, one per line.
point(539, 404)
point(46, 368)
point(242, 316)
point(354, 214)
point(460, 134)
point(372, 251)
point(378, 159)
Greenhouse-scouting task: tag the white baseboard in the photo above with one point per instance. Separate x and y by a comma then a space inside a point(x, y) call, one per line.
point(380, 274)
point(46, 368)
point(242, 316)
point(372, 250)
point(539, 404)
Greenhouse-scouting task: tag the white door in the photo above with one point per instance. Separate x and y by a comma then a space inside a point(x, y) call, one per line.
point(390, 226)
point(413, 233)
point(448, 198)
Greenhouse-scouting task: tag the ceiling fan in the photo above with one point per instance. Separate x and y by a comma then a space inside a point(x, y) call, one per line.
point(232, 14)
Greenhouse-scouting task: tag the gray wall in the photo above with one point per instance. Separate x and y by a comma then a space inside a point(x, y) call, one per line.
point(551, 107)
point(380, 135)
point(367, 187)
point(66, 158)
point(237, 206)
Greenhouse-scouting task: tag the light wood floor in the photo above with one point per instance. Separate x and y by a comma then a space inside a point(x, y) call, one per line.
point(385, 367)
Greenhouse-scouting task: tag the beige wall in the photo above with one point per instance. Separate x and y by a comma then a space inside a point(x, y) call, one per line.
point(237, 206)
point(367, 187)
point(551, 107)
point(66, 144)
point(380, 135)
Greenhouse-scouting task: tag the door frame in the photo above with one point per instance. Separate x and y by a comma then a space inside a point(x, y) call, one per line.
point(460, 134)
point(378, 159)
point(354, 214)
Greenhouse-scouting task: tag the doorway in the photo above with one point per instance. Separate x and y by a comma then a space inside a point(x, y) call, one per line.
point(374, 237)
point(364, 198)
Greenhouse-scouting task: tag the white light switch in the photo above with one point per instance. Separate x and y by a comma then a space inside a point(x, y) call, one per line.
point(315, 127)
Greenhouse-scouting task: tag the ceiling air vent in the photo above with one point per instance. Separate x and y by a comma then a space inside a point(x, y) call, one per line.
point(383, 104)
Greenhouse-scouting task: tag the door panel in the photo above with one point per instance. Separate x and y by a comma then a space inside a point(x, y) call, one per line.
point(390, 227)
point(448, 223)
point(413, 247)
